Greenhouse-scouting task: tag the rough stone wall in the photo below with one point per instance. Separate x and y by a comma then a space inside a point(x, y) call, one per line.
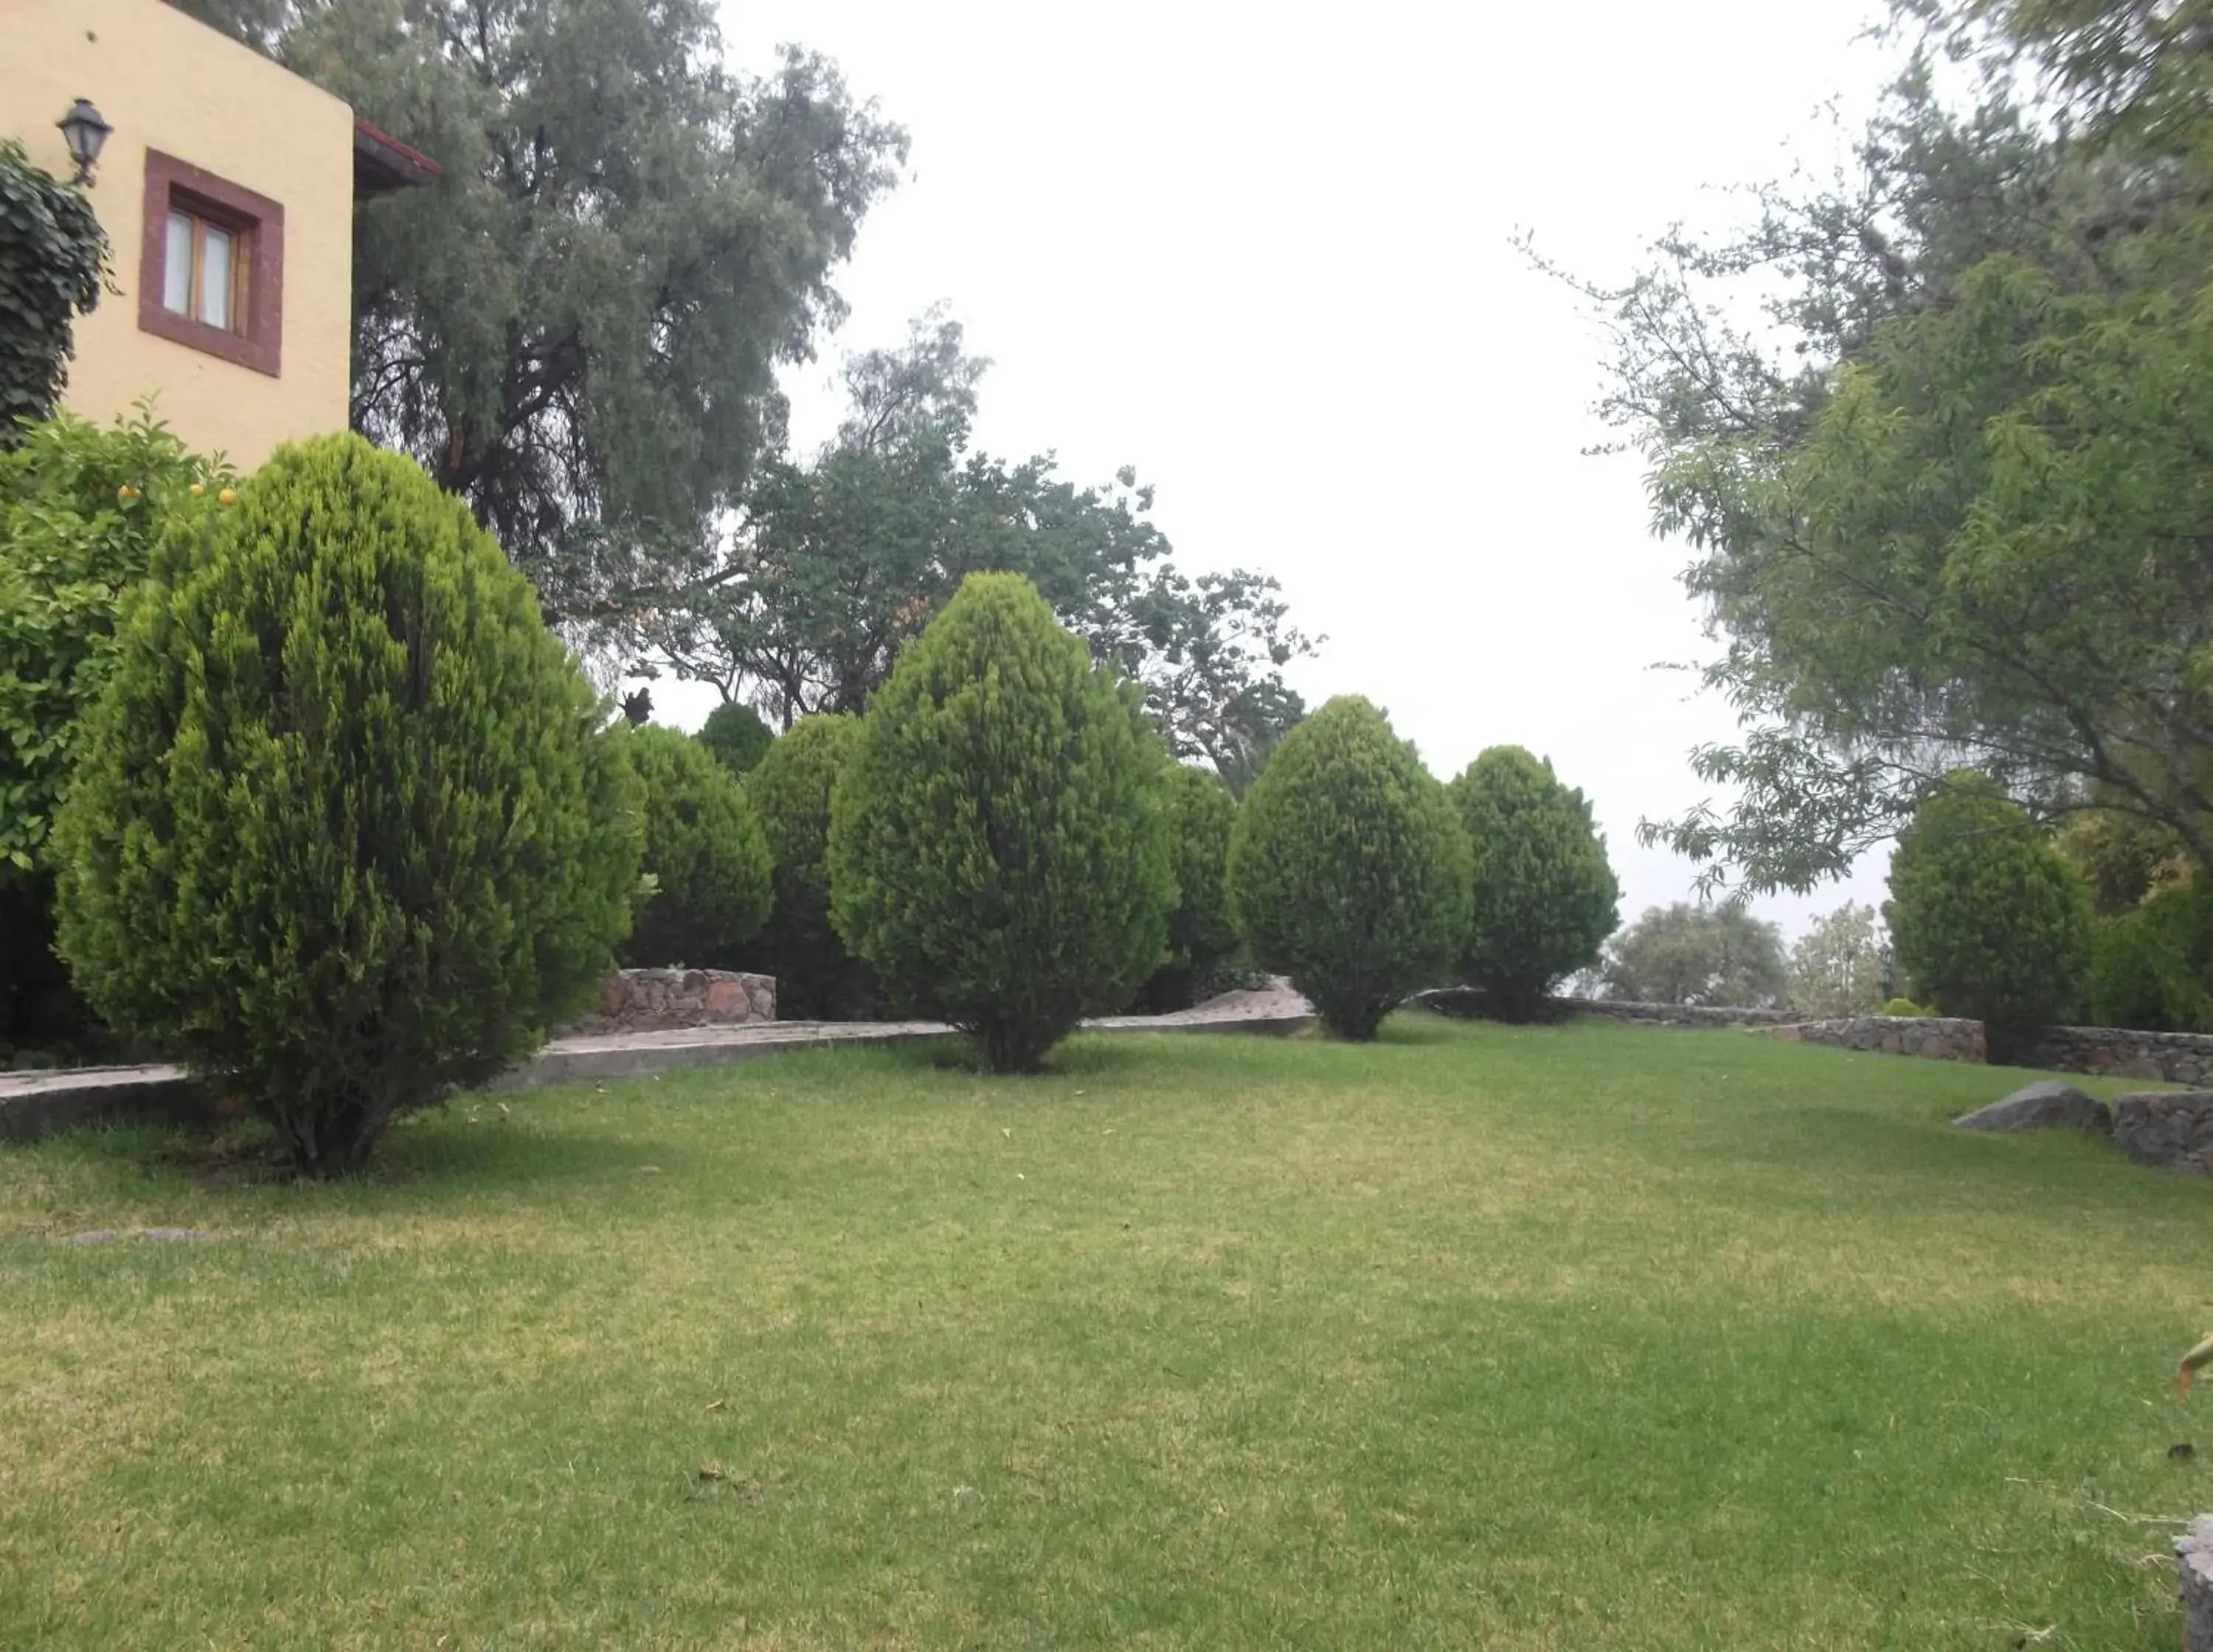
point(1670, 1014)
point(2172, 1128)
point(2173, 1057)
point(667, 1000)
point(2193, 1562)
point(1467, 1000)
point(1932, 1037)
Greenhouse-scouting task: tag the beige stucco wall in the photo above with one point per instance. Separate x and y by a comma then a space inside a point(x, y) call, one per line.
point(165, 82)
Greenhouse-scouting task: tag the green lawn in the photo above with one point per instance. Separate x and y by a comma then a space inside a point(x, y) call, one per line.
point(1565, 1337)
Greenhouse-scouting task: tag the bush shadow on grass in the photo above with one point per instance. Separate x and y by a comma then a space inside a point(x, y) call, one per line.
point(1079, 1055)
point(438, 1147)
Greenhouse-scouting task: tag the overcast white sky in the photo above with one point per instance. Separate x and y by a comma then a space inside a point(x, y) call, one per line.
point(1263, 255)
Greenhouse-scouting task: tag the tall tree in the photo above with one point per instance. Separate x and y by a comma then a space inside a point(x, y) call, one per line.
point(1945, 487)
point(839, 559)
point(1713, 955)
point(577, 328)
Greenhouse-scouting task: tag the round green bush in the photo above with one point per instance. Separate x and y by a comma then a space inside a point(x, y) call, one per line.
point(80, 509)
point(344, 831)
point(1987, 919)
point(704, 850)
point(1349, 870)
point(1905, 1007)
point(737, 737)
point(2150, 968)
point(1201, 938)
point(1545, 899)
point(817, 979)
point(997, 849)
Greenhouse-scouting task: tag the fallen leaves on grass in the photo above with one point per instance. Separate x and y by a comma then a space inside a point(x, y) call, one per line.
point(2197, 1356)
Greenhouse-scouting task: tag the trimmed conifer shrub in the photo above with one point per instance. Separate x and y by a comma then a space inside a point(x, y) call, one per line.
point(997, 849)
point(1201, 938)
point(704, 850)
point(817, 979)
point(1987, 919)
point(343, 832)
point(1545, 899)
point(1349, 870)
point(737, 736)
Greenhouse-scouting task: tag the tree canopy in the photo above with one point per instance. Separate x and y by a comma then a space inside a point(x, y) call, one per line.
point(1682, 953)
point(840, 559)
point(577, 328)
point(1935, 433)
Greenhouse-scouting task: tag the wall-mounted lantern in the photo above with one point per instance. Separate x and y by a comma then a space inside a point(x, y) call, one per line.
point(85, 132)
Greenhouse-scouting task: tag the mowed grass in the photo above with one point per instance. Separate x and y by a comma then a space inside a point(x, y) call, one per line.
point(1586, 1337)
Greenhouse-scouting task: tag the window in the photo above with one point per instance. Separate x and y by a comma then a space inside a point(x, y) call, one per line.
point(201, 274)
point(212, 266)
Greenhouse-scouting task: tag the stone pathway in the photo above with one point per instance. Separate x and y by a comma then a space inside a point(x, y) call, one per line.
point(33, 1104)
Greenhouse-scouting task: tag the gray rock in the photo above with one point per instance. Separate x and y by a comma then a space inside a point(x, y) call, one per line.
point(179, 1236)
point(2193, 1564)
point(2046, 1104)
point(2167, 1127)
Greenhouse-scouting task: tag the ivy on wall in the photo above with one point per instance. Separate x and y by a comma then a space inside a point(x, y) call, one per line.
point(52, 257)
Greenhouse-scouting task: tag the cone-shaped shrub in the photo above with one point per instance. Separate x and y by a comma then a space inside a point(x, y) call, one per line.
point(737, 737)
point(343, 832)
point(816, 978)
point(1545, 898)
point(996, 849)
point(1201, 938)
point(704, 852)
point(1349, 870)
point(1987, 919)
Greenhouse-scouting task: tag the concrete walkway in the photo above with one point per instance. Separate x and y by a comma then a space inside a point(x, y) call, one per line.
point(34, 1104)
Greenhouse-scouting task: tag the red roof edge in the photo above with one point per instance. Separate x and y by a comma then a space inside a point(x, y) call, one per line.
point(381, 163)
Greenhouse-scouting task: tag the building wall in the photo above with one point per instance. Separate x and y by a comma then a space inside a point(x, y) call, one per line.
point(167, 83)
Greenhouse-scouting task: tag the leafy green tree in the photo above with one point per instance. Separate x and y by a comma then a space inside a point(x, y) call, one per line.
point(1201, 938)
point(1717, 956)
point(704, 852)
point(577, 328)
point(1349, 870)
point(840, 559)
point(996, 846)
point(1934, 435)
point(79, 510)
point(1841, 966)
point(817, 979)
point(343, 832)
point(53, 256)
point(1544, 896)
point(2151, 968)
point(737, 736)
point(1988, 919)
point(2124, 858)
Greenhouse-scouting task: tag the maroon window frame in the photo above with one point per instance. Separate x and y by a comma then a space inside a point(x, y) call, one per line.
point(256, 221)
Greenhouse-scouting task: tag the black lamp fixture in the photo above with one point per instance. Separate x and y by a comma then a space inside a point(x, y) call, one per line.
point(84, 131)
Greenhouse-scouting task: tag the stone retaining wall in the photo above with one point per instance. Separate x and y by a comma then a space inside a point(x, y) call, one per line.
point(2172, 1128)
point(1467, 1001)
point(1932, 1037)
point(1670, 1014)
point(672, 1000)
point(2193, 1564)
point(2174, 1058)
